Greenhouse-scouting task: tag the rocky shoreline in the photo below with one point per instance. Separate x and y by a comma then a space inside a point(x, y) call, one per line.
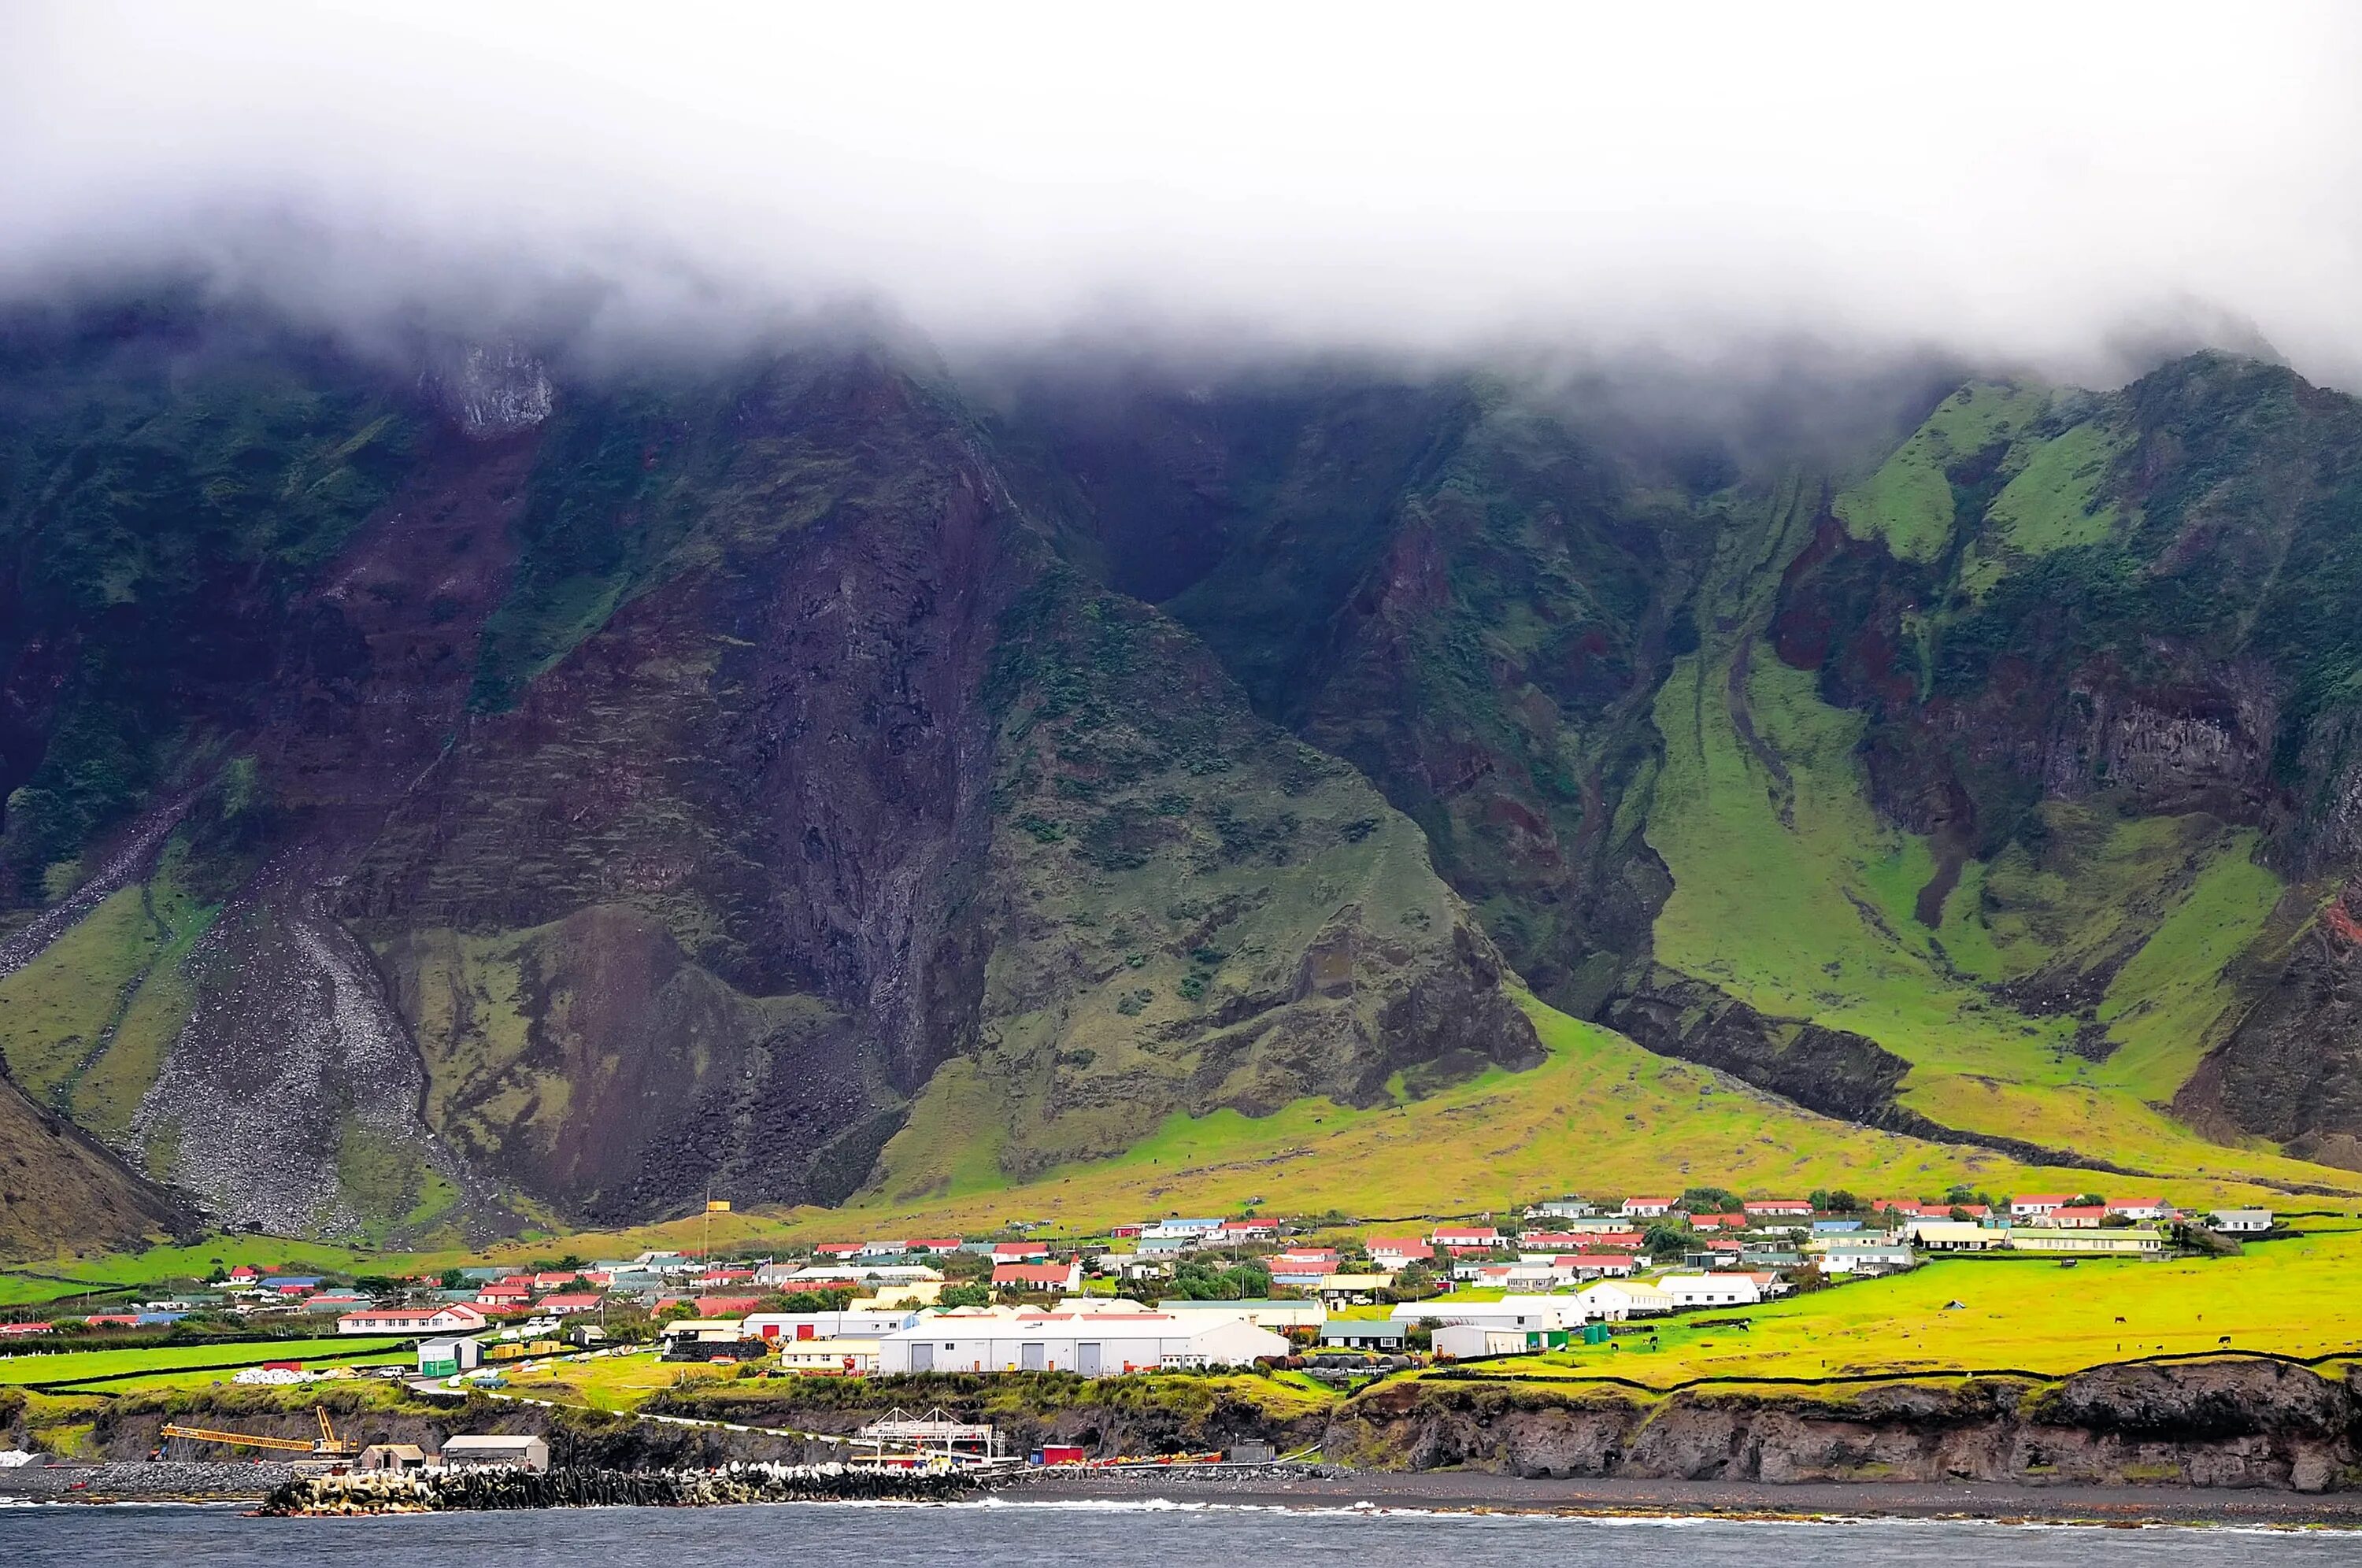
point(499, 1488)
point(276, 1489)
point(1467, 1491)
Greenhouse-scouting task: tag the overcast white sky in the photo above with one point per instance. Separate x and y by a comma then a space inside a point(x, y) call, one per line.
point(2016, 180)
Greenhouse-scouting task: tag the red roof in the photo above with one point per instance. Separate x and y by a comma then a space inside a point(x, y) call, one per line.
point(26, 1328)
point(1402, 1246)
point(1055, 1275)
point(1594, 1260)
point(580, 1301)
point(412, 1314)
point(1021, 1250)
point(2054, 1200)
point(837, 1249)
point(726, 1306)
point(1777, 1205)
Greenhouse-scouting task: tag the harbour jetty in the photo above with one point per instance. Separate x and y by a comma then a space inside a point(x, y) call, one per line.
point(477, 1490)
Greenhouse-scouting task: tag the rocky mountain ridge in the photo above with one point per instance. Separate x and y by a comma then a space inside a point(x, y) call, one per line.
point(514, 794)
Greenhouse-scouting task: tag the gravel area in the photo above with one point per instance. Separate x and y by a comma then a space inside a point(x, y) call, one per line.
point(133, 1480)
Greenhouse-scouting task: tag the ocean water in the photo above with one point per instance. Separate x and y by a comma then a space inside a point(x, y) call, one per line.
point(1106, 1535)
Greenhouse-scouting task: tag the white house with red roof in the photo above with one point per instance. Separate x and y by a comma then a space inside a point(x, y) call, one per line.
point(2034, 1205)
point(1777, 1208)
point(1061, 1276)
point(1019, 1251)
point(1614, 1241)
point(458, 1318)
point(568, 1304)
point(1648, 1208)
point(2141, 1207)
point(1465, 1237)
point(1399, 1250)
point(2078, 1217)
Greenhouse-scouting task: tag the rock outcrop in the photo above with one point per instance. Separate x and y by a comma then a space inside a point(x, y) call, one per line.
point(2226, 1423)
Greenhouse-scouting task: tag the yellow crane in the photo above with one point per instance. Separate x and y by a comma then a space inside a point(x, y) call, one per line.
point(327, 1445)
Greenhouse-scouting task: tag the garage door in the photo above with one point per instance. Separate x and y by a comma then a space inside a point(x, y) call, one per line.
point(1087, 1359)
point(922, 1358)
point(1031, 1358)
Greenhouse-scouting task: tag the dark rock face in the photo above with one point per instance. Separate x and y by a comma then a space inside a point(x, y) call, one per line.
point(1466, 600)
point(1833, 1071)
point(2292, 1067)
point(2211, 1424)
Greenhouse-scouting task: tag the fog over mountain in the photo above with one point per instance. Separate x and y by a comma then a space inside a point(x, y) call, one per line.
point(2074, 187)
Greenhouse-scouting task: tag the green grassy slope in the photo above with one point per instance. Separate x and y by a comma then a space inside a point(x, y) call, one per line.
point(1909, 502)
point(1601, 1114)
point(2020, 1312)
point(1792, 893)
point(1810, 914)
point(84, 1027)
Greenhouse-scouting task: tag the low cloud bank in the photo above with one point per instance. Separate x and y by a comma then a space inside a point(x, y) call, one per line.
point(2064, 186)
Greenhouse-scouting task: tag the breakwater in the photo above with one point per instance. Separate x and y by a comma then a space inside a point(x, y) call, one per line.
point(470, 1491)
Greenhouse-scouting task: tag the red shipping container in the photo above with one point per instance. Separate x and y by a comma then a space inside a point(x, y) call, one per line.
point(1061, 1453)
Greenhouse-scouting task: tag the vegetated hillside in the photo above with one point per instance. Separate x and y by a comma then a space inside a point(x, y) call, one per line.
point(460, 802)
point(55, 1184)
point(2102, 651)
point(511, 793)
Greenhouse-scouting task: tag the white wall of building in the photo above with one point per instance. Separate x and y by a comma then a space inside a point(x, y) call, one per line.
point(1094, 1345)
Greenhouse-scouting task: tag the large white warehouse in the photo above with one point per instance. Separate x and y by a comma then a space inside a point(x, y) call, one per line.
point(1072, 1339)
